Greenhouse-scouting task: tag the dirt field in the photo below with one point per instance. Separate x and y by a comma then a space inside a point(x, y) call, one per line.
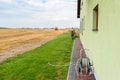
point(16, 41)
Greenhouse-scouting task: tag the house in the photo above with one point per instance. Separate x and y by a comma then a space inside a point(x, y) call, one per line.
point(100, 30)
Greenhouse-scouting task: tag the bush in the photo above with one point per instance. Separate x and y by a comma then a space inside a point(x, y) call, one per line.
point(56, 28)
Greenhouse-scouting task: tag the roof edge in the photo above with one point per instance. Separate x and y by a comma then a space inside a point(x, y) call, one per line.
point(78, 8)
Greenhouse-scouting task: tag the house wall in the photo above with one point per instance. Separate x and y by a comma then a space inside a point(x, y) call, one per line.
point(104, 44)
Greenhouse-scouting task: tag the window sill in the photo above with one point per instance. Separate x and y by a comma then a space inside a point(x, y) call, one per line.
point(94, 29)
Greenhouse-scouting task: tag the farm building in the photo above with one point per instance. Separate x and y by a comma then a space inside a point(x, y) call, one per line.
point(100, 29)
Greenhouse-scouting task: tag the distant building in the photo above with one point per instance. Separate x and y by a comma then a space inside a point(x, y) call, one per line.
point(100, 33)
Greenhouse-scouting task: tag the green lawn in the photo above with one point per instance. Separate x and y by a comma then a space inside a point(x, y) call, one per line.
point(33, 65)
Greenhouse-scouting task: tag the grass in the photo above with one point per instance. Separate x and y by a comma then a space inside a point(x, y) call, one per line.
point(77, 36)
point(33, 65)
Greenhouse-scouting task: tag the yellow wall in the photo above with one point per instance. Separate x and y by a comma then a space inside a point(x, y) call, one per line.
point(104, 44)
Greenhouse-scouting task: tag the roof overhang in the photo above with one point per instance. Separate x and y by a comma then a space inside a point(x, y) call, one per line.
point(78, 8)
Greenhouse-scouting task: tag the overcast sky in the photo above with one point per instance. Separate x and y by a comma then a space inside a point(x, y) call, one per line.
point(38, 13)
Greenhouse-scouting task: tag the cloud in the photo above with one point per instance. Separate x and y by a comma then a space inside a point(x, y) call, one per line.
point(40, 13)
point(6, 1)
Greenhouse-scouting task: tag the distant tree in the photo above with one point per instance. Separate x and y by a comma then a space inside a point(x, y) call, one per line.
point(56, 28)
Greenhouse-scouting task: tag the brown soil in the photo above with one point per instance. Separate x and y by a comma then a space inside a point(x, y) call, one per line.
point(18, 41)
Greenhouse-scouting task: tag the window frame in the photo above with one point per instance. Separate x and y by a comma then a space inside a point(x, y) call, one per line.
point(95, 17)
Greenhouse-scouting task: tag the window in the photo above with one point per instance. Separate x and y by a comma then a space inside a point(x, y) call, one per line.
point(95, 18)
point(82, 25)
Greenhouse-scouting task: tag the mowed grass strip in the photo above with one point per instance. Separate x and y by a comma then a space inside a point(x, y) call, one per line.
point(33, 65)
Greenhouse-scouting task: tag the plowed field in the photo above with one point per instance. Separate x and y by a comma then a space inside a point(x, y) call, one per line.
point(14, 41)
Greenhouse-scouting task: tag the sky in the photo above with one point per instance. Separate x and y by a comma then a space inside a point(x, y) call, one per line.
point(38, 13)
